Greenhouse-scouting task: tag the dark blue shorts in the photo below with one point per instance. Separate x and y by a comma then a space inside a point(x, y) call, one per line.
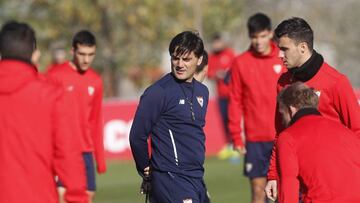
point(169, 187)
point(90, 172)
point(257, 159)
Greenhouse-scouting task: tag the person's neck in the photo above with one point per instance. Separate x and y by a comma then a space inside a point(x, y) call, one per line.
point(73, 66)
point(189, 80)
point(311, 65)
point(306, 58)
point(303, 112)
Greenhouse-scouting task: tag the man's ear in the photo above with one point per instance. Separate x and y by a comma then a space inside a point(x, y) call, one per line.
point(72, 51)
point(200, 60)
point(303, 47)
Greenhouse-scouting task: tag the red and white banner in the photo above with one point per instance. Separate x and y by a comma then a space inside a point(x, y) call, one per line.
point(118, 116)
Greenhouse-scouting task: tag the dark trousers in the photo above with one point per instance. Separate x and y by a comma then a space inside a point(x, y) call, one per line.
point(169, 187)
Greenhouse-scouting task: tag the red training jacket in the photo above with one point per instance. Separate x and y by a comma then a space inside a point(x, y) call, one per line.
point(337, 102)
point(253, 95)
point(37, 138)
point(88, 90)
point(321, 157)
point(220, 61)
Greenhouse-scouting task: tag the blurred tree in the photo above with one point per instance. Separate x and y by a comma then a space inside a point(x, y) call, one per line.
point(129, 32)
point(136, 33)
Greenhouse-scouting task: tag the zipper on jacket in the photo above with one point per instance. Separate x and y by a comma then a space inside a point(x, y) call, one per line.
point(174, 147)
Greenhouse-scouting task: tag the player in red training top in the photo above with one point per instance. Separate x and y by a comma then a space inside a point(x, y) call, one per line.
point(78, 77)
point(317, 155)
point(220, 60)
point(38, 138)
point(337, 100)
point(254, 74)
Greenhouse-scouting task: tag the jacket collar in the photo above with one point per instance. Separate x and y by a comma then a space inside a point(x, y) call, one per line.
point(309, 69)
point(19, 59)
point(304, 112)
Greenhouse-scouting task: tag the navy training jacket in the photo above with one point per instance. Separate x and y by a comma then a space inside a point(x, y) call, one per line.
point(177, 140)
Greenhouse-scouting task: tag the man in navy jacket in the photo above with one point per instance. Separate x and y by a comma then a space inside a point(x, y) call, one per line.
point(172, 111)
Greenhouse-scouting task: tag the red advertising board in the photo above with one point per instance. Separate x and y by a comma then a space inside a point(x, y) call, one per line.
point(118, 116)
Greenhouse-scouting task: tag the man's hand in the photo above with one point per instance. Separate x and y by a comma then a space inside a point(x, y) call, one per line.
point(146, 184)
point(241, 150)
point(271, 189)
point(147, 171)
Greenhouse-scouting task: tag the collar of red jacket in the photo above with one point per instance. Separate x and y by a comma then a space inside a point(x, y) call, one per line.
point(15, 74)
point(309, 69)
point(274, 51)
point(304, 112)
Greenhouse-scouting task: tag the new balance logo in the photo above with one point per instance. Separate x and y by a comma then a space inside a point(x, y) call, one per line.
point(182, 101)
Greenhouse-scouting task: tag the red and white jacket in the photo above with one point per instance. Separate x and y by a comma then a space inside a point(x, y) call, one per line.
point(320, 157)
point(88, 90)
point(337, 100)
point(38, 138)
point(253, 95)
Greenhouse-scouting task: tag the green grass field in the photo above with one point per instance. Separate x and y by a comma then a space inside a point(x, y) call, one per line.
point(224, 180)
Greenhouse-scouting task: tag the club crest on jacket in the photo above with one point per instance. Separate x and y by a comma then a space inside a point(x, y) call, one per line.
point(91, 90)
point(277, 68)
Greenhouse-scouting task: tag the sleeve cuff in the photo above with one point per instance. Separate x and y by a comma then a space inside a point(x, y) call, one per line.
point(237, 141)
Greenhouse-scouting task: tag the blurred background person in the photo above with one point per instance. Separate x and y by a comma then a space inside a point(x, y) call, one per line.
point(58, 57)
point(78, 77)
point(220, 59)
point(254, 76)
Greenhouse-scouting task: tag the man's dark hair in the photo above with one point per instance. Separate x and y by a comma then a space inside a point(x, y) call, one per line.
point(296, 29)
point(185, 43)
point(83, 37)
point(204, 62)
point(17, 41)
point(258, 22)
point(299, 96)
point(216, 36)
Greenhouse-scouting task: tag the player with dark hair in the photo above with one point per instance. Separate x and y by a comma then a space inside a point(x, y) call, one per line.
point(172, 111)
point(337, 100)
point(254, 74)
point(78, 77)
point(38, 136)
point(317, 155)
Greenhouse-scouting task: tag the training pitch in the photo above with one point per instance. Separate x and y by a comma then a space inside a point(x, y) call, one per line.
point(224, 180)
